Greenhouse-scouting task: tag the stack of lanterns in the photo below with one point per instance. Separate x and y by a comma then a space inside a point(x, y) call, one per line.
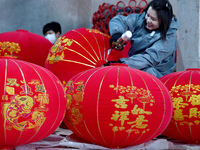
point(33, 102)
point(113, 106)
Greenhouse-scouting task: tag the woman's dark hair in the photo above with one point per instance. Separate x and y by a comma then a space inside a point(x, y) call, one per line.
point(165, 13)
point(55, 26)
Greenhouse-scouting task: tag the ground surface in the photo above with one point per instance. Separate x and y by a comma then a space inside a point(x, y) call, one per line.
point(63, 139)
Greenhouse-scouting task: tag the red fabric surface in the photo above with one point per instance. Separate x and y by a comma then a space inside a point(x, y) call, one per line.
point(76, 51)
point(25, 46)
point(116, 55)
point(32, 102)
point(184, 87)
point(117, 106)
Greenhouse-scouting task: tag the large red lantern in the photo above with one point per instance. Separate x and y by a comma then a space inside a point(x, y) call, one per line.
point(117, 106)
point(32, 103)
point(24, 45)
point(79, 50)
point(184, 87)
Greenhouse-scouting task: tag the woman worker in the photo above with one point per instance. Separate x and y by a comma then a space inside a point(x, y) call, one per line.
point(153, 41)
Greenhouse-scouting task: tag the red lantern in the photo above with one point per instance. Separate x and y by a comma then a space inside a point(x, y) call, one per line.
point(76, 51)
point(32, 103)
point(117, 106)
point(184, 87)
point(24, 45)
point(79, 50)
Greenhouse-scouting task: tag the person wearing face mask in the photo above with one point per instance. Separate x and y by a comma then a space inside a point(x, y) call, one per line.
point(153, 41)
point(52, 31)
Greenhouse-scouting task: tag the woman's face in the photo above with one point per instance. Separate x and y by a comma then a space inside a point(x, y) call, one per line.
point(152, 19)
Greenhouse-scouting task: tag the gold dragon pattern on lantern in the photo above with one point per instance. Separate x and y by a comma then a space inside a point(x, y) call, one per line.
point(26, 109)
point(121, 115)
point(57, 51)
point(186, 96)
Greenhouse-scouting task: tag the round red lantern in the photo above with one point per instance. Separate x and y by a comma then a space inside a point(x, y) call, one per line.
point(117, 106)
point(24, 45)
point(184, 87)
point(79, 50)
point(32, 103)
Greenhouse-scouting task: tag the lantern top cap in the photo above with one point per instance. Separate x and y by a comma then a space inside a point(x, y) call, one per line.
point(7, 57)
point(118, 64)
point(22, 30)
point(192, 69)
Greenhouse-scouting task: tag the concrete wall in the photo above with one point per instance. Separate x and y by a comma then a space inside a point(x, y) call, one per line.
point(188, 34)
point(31, 15)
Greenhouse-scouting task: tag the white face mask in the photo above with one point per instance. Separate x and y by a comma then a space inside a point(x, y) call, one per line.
point(51, 37)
